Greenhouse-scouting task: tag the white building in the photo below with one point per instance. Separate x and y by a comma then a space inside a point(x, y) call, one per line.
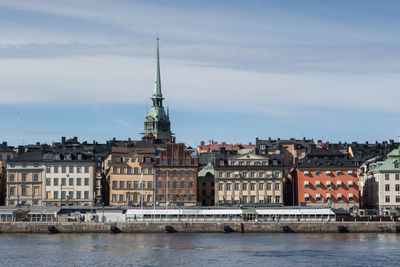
point(69, 179)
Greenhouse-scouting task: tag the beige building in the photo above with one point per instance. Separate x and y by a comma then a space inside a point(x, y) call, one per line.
point(131, 176)
point(69, 179)
point(249, 179)
point(24, 180)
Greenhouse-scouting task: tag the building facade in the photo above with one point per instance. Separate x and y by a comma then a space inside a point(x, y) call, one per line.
point(25, 175)
point(206, 185)
point(249, 179)
point(381, 185)
point(69, 178)
point(176, 176)
point(131, 176)
point(327, 177)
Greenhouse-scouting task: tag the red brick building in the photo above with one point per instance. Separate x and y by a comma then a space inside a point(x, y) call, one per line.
point(327, 177)
point(176, 176)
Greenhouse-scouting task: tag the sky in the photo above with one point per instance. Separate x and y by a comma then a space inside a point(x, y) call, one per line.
point(231, 70)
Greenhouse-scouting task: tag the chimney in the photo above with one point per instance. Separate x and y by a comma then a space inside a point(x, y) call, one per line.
point(75, 139)
point(4, 143)
point(63, 140)
point(38, 143)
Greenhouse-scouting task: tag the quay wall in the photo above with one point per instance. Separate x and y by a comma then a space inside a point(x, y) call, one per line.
point(203, 227)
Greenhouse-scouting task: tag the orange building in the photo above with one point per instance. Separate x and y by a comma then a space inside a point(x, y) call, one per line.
point(329, 178)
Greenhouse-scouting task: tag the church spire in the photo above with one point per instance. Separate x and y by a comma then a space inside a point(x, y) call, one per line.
point(157, 80)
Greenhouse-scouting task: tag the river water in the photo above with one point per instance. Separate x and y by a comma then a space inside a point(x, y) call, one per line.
point(200, 249)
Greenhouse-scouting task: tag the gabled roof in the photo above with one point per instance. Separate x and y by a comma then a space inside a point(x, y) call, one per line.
point(207, 169)
point(394, 153)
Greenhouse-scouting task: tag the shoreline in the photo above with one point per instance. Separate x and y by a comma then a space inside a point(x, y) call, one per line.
point(200, 227)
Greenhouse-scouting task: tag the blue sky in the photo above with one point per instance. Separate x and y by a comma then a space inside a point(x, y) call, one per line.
point(231, 70)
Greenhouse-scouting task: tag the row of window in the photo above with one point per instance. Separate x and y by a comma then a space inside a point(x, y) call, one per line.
point(35, 202)
point(136, 170)
point(174, 162)
point(24, 165)
point(129, 197)
point(396, 187)
point(132, 159)
point(71, 195)
point(244, 186)
point(248, 163)
point(71, 181)
point(251, 199)
point(67, 169)
point(329, 173)
point(174, 173)
point(396, 177)
point(248, 174)
point(128, 185)
point(12, 178)
point(328, 184)
point(175, 198)
point(339, 197)
point(174, 184)
point(35, 191)
point(387, 199)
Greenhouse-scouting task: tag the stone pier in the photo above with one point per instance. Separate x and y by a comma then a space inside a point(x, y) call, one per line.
point(203, 227)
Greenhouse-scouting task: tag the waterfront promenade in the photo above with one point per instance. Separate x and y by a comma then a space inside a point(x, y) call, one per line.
point(200, 227)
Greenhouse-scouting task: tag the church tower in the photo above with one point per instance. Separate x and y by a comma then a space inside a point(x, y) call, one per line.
point(156, 124)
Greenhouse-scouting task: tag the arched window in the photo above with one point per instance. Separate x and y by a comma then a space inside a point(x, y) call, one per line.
point(182, 173)
point(190, 173)
point(174, 173)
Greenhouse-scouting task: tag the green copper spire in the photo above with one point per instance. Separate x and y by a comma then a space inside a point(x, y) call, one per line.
point(157, 124)
point(157, 80)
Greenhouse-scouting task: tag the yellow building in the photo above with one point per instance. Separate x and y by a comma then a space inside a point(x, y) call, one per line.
point(131, 176)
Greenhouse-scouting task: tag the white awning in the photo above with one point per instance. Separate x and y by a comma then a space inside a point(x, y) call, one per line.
point(339, 182)
point(350, 195)
point(350, 182)
point(306, 195)
point(220, 198)
point(318, 182)
point(328, 182)
point(306, 172)
point(237, 198)
point(328, 195)
point(350, 173)
point(306, 182)
point(328, 172)
point(339, 195)
point(318, 195)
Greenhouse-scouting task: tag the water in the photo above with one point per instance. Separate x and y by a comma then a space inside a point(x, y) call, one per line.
point(199, 249)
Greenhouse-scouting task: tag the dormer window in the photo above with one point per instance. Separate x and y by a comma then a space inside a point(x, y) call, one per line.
point(396, 165)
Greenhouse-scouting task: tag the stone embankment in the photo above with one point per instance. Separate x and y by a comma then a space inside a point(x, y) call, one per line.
point(201, 227)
